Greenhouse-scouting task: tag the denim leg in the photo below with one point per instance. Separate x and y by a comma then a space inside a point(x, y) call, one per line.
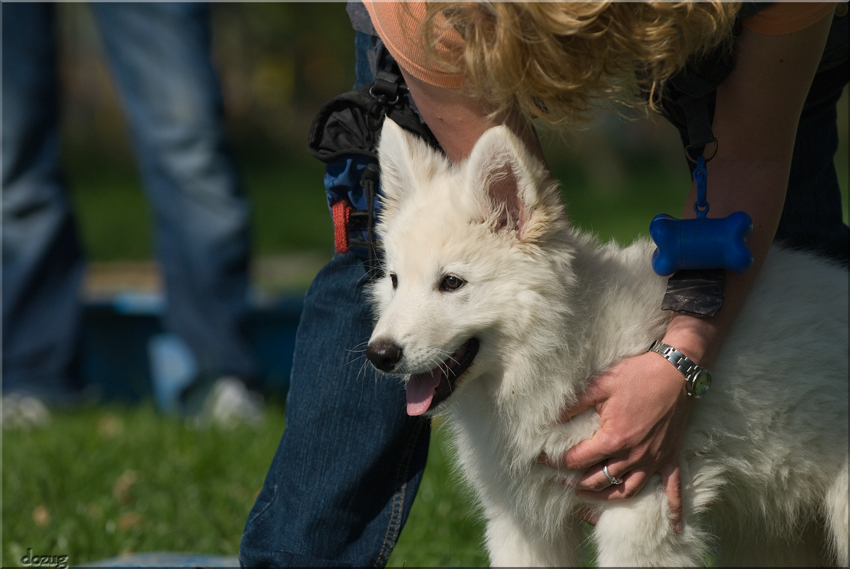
point(159, 54)
point(42, 259)
point(350, 461)
point(349, 464)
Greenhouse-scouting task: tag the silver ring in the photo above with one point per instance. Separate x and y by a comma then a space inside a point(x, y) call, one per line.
point(610, 478)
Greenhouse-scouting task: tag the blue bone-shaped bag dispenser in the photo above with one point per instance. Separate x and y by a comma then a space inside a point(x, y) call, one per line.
point(701, 243)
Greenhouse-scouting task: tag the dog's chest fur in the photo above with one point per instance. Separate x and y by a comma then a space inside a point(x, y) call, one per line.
point(764, 456)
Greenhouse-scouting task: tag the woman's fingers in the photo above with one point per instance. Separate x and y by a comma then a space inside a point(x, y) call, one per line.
point(633, 482)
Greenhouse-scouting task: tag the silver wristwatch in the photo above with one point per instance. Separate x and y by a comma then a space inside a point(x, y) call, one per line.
point(697, 378)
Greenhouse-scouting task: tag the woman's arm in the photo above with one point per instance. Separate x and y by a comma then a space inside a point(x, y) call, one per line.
point(642, 401)
point(757, 111)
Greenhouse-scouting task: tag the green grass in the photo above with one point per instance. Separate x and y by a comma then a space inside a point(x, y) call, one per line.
point(109, 480)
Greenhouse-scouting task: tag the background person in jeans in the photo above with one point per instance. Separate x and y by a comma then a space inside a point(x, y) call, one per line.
point(159, 55)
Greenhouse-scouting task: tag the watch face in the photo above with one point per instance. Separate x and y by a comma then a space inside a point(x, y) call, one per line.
point(701, 383)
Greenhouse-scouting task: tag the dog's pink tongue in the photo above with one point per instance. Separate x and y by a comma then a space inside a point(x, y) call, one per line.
point(420, 391)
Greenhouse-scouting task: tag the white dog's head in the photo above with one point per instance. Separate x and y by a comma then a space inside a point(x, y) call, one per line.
point(460, 242)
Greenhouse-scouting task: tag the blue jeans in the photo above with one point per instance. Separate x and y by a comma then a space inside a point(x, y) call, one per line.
point(350, 460)
point(159, 57)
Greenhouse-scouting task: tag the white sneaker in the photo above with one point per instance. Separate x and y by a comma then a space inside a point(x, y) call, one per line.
point(23, 412)
point(230, 403)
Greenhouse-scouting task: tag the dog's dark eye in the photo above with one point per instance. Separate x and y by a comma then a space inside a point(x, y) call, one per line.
point(394, 280)
point(451, 282)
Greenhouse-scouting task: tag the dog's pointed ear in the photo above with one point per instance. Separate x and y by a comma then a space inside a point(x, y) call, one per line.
point(512, 182)
point(408, 165)
point(397, 152)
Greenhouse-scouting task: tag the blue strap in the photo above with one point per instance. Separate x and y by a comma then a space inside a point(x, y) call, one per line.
point(701, 178)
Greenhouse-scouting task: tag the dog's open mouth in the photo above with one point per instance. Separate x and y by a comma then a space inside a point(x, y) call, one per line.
point(427, 390)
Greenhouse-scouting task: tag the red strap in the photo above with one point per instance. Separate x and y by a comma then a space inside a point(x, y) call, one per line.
point(341, 211)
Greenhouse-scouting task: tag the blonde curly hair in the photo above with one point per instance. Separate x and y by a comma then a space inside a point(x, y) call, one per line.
point(556, 61)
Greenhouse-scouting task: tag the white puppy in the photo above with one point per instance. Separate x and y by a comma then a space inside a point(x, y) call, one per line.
point(498, 313)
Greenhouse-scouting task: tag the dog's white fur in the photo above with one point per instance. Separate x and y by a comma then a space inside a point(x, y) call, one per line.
point(765, 455)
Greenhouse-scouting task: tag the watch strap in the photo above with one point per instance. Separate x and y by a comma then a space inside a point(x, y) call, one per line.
point(680, 361)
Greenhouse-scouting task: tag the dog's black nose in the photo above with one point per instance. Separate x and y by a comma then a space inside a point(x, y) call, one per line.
point(384, 354)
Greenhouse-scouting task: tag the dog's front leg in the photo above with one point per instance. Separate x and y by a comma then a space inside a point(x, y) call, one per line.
point(512, 544)
point(638, 533)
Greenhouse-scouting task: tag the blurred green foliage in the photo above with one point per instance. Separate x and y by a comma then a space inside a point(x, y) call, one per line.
point(278, 63)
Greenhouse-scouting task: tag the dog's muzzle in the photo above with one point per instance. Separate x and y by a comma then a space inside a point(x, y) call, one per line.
point(426, 390)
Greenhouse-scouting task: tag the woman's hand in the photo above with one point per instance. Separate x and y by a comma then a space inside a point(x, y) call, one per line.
point(643, 407)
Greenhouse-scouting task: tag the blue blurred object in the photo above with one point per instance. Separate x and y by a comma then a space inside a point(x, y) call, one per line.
point(173, 368)
point(128, 357)
point(701, 243)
